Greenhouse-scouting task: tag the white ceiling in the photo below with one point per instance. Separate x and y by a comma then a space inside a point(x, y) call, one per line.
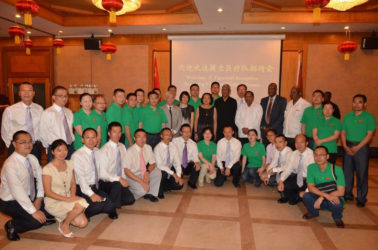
point(213, 22)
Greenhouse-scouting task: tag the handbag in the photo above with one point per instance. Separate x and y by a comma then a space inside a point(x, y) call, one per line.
point(330, 186)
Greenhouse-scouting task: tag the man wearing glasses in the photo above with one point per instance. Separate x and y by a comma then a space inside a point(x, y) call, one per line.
point(56, 122)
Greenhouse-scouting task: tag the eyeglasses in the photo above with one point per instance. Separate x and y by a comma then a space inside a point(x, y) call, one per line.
point(320, 155)
point(62, 96)
point(24, 142)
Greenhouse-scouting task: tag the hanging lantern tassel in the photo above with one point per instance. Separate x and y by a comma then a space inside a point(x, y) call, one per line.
point(316, 14)
point(17, 32)
point(108, 49)
point(59, 44)
point(28, 51)
point(28, 19)
point(347, 48)
point(112, 6)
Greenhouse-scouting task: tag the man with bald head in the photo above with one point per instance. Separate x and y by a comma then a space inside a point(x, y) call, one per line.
point(226, 108)
point(293, 115)
point(293, 178)
point(273, 112)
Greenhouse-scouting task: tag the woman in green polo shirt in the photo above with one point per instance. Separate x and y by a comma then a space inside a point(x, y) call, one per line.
point(326, 132)
point(98, 112)
point(207, 153)
point(84, 119)
point(254, 152)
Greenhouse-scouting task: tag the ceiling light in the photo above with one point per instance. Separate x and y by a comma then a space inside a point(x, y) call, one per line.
point(164, 29)
point(60, 31)
point(343, 5)
point(283, 28)
point(17, 16)
point(346, 28)
point(110, 30)
point(220, 10)
point(28, 32)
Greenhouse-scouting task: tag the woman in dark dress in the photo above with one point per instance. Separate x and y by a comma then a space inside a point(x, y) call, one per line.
point(206, 116)
point(187, 110)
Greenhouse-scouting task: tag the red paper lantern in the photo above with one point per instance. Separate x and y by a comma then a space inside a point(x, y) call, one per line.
point(17, 32)
point(347, 48)
point(28, 44)
point(112, 6)
point(108, 49)
point(27, 8)
point(58, 43)
point(316, 5)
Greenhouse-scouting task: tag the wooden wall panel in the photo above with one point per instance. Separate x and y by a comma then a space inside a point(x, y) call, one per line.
point(288, 72)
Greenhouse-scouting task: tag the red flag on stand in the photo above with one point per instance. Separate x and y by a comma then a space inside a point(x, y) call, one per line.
point(299, 72)
point(156, 75)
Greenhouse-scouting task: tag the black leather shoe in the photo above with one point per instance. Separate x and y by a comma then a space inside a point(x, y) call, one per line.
point(9, 229)
point(192, 186)
point(308, 216)
point(49, 222)
point(161, 196)
point(339, 224)
point(282, 200)
point(360, 204)
point(151, 198)
point(257, 184)
point(294, 202)
point(348, 198)
point(113, 216)
point(237, 185)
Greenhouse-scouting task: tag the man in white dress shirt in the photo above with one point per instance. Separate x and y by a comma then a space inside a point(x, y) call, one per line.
point(24, 115)
point(188, 154)
point(112, 178)
point(248, 116)
point(293, 115)
point(241, 90)
point(88, 173)
point(56, 122)
point(168, 161)
point(293, 178)
point(228, 155)
point(140, 170)
point(21, 189)
point(279, 162)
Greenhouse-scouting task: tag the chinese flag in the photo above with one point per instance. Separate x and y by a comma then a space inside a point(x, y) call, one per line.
point(156, 75)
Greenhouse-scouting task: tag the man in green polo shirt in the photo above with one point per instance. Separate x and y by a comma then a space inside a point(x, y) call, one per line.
point(311, 115)
point(98, 112)
point(322, 172)
point(130, 119)
point(114, 112)
point(214, 89)
point(173, 90)
point(152, 120)
point(194, 101)
point(356, 133)
point(326, 131)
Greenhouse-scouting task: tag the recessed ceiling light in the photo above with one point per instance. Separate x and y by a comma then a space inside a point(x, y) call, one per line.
point(346, 28)
point(220, 10)
point(164, 29)
point(60, 31)
point(28, 32)
point(283, 28)
point(17, 16)
point(110, 30)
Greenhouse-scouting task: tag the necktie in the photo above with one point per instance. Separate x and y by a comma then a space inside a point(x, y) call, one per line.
point(267, 118)
point(142, 163)
point(228, 153)
point(168, 158)
point(31, 179)
point(185, 156)
point(279, 165)
point(29, 122)
point(95, 169)
point(66, 127)
point(118, 162)
point(300, 172)
point(170, 114)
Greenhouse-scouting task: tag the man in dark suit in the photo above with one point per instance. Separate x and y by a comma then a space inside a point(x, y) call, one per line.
point(273, 112)
point(173, 113)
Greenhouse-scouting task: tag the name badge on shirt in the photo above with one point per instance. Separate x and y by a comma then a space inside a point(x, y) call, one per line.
point(256, 153)
point(331, 124)
point(360, 121)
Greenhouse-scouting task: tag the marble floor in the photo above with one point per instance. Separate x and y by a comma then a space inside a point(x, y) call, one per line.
point(217, 218)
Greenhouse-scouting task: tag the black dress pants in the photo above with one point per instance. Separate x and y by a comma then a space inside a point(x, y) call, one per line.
point(168, 183)
point(291, 190)
point(94, 208)
point(235, 172)
point(118, 194)
point(192, 172)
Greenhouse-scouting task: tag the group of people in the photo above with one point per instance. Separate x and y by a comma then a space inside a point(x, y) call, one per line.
point(99, 161)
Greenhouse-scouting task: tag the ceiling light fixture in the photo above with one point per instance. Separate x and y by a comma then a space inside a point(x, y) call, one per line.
point(60, 31)
point(283, 28)
point(220, 10)
point(343, 5)
point(164, 29)
point(28, 32)
point(17, 16)
point(110, 30)
point(346, 28)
